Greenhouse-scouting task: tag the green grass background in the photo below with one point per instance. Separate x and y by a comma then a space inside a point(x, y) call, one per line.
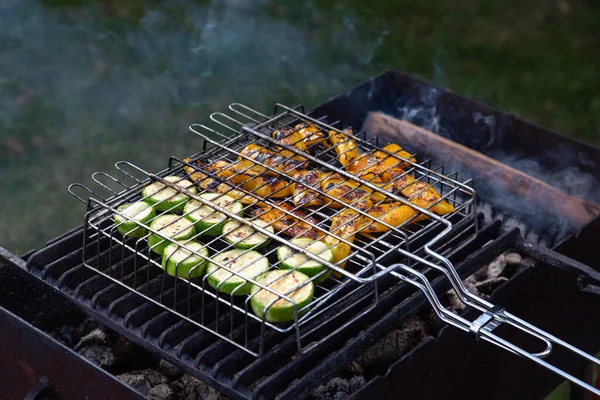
point(84, 84)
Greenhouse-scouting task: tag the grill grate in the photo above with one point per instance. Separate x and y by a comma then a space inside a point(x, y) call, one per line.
point(132, 263)
point(231, 370)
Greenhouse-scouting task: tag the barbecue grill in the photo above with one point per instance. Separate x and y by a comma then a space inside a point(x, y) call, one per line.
point(217, 337)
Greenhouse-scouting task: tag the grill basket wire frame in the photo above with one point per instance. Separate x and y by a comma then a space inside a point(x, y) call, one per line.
point(102, 209)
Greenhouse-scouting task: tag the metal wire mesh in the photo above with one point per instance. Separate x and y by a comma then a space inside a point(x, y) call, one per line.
point(298, 186)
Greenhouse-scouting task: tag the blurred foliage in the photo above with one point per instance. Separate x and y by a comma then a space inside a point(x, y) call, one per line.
point(84, 84)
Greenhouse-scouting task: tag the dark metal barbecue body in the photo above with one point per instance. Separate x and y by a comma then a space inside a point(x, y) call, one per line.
point(234, 371)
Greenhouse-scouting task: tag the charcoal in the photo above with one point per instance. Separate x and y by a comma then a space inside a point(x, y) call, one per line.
point(356, 382)
point(455, 304)
point(143, 380)
point(169, 369)
point(155, 378)
point(87, 326)
point(496, 267)
point(136, 380)
point(355, 369)
point(208, 393)
point(96, 336)
point(395, 344)
point(187, 386)
point(190, 388)
point(97, 348)
point(336, 389)
point(486, 288)
point(131, 356)
point(341, 396)
point(161, 392)
point(513, 258)
point(338, 385)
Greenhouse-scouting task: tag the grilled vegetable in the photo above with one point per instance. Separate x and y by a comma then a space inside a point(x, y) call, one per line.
point(393, 214)
point(261, 185)
point(240, 167)
point(344, 145)
point(378, 163)
point(268, 187)
point(311, 135)
point(348, 191)
point(244, 236)
point(282, 161)
point(281, 282)
point(344, 225)
point(424, 196)
point(291, 137)
point(172, 226)
point(206, 219)
point(165, 198)
point(304, 197)
point(214, 185)
point(177, 261)
point(248, 263)
point(286, 223)
point(137, 212)
point(290, 259)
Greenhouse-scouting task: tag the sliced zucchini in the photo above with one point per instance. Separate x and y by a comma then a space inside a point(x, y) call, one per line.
point(244, 236)
point(207, 220)
point(164, 198)
point(137, 212)
point(281, 281)
point(178, 261)
point(290, 259)
point(171, 226)
point(249, 263)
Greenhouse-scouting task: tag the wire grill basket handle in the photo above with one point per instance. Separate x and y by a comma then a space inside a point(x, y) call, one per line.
point(484, 325)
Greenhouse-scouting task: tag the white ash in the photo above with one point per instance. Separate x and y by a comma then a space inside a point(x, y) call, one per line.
point(513, 258)
point(161, 392)
point(496, 267)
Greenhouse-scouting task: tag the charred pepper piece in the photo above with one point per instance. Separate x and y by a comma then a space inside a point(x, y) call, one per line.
point(420, 192)
point(259, 184)
point(379, 162)
point(344, 225)
point(344, 145)
point(311, 134)
point(294, 222)
point(347, 191)
point(292, 138)
point(302, 196)
point(207, 183)
point(279, 162)
point(393, 214)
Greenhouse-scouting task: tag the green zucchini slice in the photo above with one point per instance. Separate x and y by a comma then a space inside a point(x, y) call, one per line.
point(244, 236)
point(281, 281)
point(165, 198)
point(171, 226)
point(249, 263)
point(208, 221)
point(137, 212)
point(178, 261)
point(290, 259)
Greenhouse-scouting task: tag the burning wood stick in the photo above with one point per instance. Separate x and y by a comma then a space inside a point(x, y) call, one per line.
point(575, 210)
